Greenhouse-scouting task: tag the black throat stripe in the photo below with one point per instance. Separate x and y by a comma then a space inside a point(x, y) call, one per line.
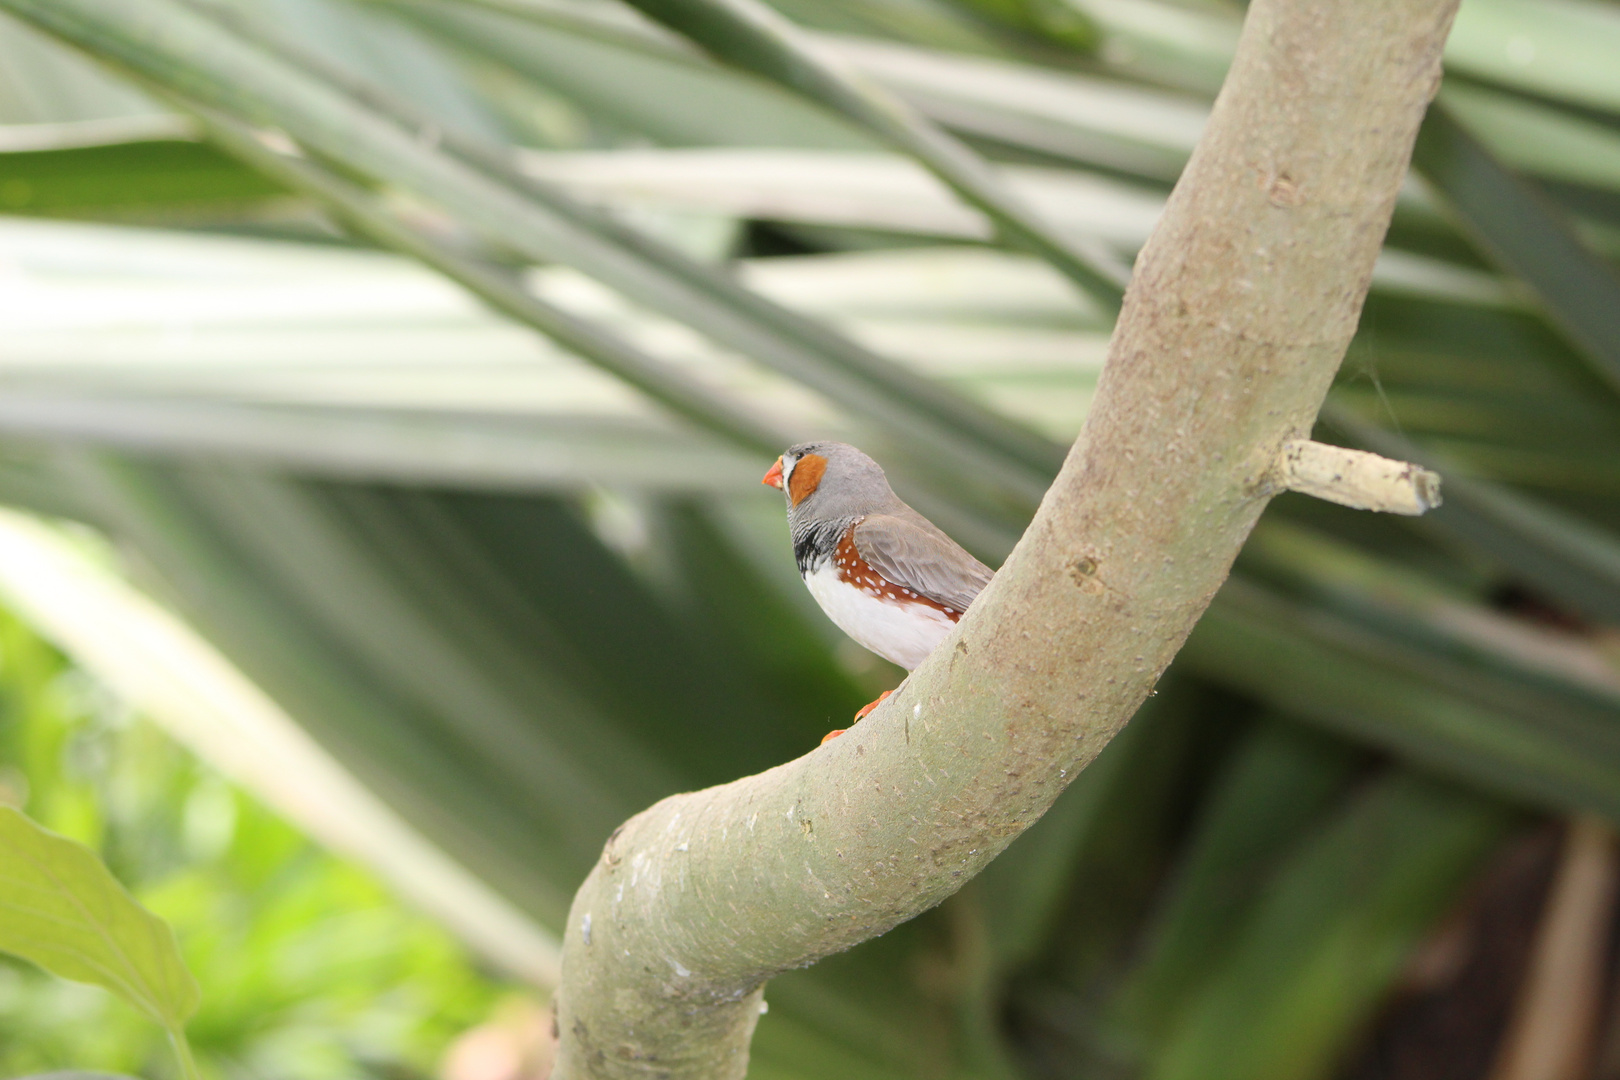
point(815, 544)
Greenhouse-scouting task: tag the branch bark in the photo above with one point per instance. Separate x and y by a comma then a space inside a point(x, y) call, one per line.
point(1242, 305)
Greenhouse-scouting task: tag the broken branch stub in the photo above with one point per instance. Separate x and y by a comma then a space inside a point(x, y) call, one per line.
point(1357, 478)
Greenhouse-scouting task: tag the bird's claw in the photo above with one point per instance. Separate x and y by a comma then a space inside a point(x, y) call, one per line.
point(881, 698)
point(831, 735)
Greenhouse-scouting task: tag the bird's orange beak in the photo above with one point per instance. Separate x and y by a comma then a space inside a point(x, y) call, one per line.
point(773, 477)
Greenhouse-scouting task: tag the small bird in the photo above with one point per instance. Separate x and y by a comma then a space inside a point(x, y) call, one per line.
point(886, 575)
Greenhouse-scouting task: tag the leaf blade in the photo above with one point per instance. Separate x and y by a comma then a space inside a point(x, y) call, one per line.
point(753, 37)
point(101, 936)
point(1525, 236)
point(1332, 932)
point(1522, 741)
point(257, 77)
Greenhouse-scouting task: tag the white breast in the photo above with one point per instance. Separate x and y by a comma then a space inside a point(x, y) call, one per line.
point(903, 633)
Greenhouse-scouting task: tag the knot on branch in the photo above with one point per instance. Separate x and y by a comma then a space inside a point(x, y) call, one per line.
point(1357, 478)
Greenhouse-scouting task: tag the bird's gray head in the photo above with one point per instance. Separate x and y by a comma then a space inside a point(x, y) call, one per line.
point(828, 481)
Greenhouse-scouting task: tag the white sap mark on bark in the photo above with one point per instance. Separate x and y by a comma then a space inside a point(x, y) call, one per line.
point(811, 874)
point(643, 864)
point(680, 969)
point(681, 846)
point(764, 1006)
point(618, 894)
point(790, 812)
point(751, 819)
point(585, 928)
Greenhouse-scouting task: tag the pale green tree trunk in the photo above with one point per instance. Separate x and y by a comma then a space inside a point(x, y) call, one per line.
point(1240, 311)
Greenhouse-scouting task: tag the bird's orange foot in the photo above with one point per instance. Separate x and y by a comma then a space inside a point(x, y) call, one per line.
point(831, 735)
point(881, 698)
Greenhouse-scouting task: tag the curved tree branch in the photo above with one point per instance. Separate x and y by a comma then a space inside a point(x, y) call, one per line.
point(1242, 306)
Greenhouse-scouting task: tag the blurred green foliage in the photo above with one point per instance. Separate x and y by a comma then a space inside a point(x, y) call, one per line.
point(309, 968)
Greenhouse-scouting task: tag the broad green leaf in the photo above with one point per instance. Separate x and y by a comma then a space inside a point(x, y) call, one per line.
point(785, 1048)
point(989, 27)
point(590, 51)
point(93, 167)
point(1102, 123)
point(1494, 395)
point(476, 449)
point(751, 36)
point(261, 79)
point(1094, 856)
point(386, 53)
point(1331, 934)
point(1562, 48)
point(1578, 291)
point(504, 291)
point(1133, 825)
point(859, 190)
point(1541, 137)
point(49, 84)
point(163, 669)
point(1065, 917)
point(449, 785)
point(894, 195)
point(1012, 21)
point(1269, 798)
point(351, 364)
point(1414, 607)
point(1171, 44)
point(61, 908)
point(1557, 747)
point(1574, 561)
point(627, 72)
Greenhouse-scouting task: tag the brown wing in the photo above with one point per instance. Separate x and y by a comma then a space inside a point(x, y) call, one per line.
point(921, 558)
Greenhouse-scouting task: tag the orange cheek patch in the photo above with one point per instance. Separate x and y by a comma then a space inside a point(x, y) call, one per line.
point(806, 477)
